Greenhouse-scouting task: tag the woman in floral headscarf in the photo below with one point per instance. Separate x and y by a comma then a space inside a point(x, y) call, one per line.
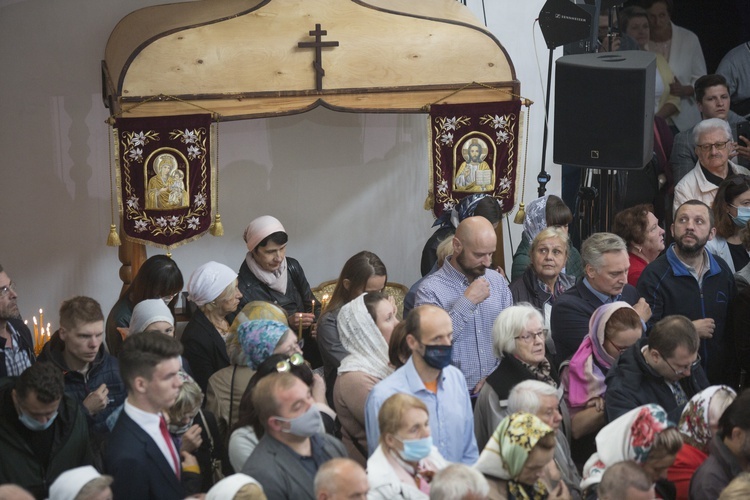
point(260, 338)
point(516, 458)
point(365, 325)
point(643, 435)
point(698, 424)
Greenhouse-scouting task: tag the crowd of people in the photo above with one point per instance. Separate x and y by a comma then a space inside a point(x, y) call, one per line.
point(610, 370)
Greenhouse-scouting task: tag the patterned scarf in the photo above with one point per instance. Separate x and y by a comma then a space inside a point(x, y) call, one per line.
point(542, 372)
point(629, 437)
point(694, 425)
point(509, 448)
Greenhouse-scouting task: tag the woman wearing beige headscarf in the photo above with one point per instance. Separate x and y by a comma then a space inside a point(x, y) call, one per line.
point(268, 274)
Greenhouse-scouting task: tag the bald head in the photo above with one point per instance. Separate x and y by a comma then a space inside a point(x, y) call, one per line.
point(339, 479)
point(473, 246)
point(14, 492)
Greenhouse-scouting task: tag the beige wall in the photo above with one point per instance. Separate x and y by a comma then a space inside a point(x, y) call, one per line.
point(340, 183)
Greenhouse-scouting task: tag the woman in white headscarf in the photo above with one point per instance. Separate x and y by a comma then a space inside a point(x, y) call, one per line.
point(365, 325)
point(213, 288)
point(236, 486)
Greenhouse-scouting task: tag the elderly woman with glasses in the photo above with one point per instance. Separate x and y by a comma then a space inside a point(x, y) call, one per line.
point(245, 434)
point(731, 210)
point(519, 342)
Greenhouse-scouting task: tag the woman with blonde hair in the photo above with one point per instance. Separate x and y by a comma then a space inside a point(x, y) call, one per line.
point(405, 461)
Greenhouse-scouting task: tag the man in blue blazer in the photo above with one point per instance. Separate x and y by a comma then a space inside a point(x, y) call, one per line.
point(605, 280)
point(140, 455)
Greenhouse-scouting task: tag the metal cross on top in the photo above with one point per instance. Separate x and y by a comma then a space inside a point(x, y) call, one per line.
point(318, 45)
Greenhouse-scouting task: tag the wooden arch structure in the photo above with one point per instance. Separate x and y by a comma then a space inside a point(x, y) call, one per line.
point(258, 58)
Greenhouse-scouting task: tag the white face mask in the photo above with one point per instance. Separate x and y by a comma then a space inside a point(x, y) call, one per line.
point(305, 425)
point(35, 425)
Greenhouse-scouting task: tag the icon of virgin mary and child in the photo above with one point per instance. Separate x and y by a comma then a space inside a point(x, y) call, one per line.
point(166, 189)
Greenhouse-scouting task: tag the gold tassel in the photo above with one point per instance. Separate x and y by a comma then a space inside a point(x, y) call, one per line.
point(217, 228)
point(429, 202)
point(521, 214)
point(113, 240)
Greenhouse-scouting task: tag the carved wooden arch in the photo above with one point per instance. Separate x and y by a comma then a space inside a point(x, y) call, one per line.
point(241, 59)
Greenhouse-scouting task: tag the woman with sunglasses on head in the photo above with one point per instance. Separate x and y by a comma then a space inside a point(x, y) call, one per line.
point(519, 342)
point(365, 325)
point(731, 210)
point(245, 434)
point(613, 329)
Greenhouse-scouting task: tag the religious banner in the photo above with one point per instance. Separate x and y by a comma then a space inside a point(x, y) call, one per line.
point(165, 177)
point(473, 149)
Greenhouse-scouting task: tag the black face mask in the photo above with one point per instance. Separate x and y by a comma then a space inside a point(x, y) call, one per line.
point(437, 356)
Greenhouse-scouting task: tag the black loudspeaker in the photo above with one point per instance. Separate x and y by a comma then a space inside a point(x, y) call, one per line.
point(604, 110)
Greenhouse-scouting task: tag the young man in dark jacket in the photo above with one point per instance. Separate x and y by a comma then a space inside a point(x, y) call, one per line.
point(92, 376)
point(43, 431)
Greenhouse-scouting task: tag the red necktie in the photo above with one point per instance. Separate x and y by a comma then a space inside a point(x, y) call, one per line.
point(170, 444)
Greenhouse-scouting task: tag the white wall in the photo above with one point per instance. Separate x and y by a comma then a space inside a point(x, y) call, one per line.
point(339, 182)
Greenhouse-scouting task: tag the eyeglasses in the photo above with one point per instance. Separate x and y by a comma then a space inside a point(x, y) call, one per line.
point(529, 337)
point(295, 359)
point(684, 371)
point(620, 349)
point(5, 290)
point(720, 146)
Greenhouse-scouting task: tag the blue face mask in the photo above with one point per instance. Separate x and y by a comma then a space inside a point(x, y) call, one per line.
point(415, 449)
point(743, 216)
point(438, 356)
point(305, 425)
point(35, 425)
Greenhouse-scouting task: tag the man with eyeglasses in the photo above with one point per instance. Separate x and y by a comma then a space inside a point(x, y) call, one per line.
point(663, 368)
point(17, 352)
point(713, 146)
point(712, 97)
point(688, 280)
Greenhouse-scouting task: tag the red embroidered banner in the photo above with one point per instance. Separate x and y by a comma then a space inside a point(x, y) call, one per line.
point(473, 149)
point(165, 177)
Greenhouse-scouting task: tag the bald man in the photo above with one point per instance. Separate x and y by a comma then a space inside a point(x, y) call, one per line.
point(341, 479)
point(14, 492)
point(429, 376)
point(473, 294)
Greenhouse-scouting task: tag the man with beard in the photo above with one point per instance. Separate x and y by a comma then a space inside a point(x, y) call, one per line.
point(473, 294)
point(689, 280)
point(428, 375)
point(17, 352)
point(729, 451)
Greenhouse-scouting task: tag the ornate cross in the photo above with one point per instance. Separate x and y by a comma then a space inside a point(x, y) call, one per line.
point(318, 45)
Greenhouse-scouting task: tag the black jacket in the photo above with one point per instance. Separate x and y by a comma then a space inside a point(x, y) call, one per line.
point(105, 369)
point(669, 288)
point(69, 448)
point(526, 289)
point(632, 383)
point(571, 313)
point(205, 350)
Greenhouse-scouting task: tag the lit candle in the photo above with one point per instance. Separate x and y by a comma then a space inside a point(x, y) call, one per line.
point(41, 319)
point(313, 307)
point(48, 331)
point(300, 326)
point(325, 300)
point(36, 332)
